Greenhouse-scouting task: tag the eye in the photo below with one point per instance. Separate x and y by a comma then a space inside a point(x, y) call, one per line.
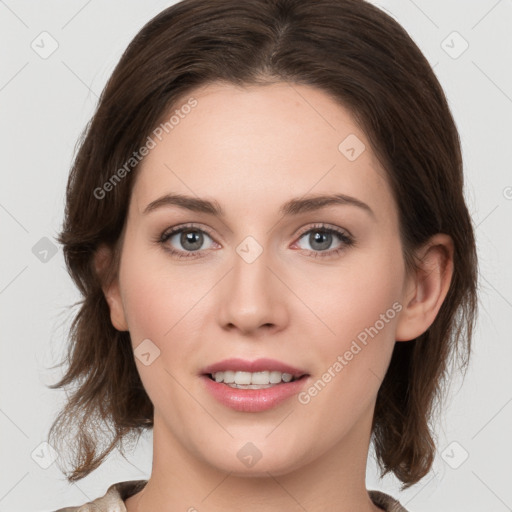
point(189, 238)
point(320, 239)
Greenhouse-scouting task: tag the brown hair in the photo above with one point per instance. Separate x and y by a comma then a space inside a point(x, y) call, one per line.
point(368, 63)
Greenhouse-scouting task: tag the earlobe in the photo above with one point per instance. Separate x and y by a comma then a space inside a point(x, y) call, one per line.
point(427, 289)
point(110, 287)
point(113, 297)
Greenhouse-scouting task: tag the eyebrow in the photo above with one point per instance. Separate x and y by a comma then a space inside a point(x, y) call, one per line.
point(294, 206)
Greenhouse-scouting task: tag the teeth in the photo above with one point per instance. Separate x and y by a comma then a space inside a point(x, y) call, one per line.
point(276, 377)
point(265, 378)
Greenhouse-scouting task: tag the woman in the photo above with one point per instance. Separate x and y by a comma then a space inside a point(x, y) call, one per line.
point(267, 223)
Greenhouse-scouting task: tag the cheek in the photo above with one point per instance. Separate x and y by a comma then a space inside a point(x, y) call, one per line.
point(148, 304)
point(160, 300)
point(159, 305)
point(360, 307)
point(354, 296)
point(148, 299)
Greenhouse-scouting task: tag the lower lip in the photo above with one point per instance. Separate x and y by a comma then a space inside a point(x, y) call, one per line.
point(253, 400)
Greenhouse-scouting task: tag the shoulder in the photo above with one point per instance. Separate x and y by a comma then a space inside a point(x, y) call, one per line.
point(386, 502)
point(112, 500)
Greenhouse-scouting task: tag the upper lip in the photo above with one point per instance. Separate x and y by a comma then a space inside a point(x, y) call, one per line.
point(258, 365)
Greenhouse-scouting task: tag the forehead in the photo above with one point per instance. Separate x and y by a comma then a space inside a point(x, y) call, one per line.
point(260, 145)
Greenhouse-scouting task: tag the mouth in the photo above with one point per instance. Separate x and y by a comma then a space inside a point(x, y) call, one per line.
point(253, 386)
point(258, 374)
point(253, 380)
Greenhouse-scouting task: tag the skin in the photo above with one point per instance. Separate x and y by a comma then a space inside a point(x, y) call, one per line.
point(252, 149)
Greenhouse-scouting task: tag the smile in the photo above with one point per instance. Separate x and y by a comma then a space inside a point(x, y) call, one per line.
point(252, 380)
point(252, 386)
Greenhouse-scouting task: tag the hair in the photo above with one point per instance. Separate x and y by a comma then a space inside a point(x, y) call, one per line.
point(366, 61)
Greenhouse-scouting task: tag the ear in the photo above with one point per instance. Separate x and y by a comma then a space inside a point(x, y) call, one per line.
point(102, 259)
point(427, 288)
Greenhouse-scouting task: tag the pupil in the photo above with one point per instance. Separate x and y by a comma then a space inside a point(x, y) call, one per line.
point(318, 236)
point(188, 237)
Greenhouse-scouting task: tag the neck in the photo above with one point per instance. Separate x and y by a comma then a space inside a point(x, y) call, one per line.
point(180, 480)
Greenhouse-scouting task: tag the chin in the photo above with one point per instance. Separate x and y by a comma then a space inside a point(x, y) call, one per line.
point(247, 461)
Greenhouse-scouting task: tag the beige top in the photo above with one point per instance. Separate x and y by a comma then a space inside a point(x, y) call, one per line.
point(113, 500)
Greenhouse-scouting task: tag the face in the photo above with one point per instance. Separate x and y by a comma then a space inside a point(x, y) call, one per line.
point(317, 287)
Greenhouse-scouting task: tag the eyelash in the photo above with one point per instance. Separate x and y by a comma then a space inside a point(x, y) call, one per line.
point(348, 240)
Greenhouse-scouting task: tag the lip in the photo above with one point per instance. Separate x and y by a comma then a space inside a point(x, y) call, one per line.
point(258, 365)
point(253, 400)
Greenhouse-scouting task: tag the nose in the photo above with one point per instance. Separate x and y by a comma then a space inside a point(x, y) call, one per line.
point(254, 296)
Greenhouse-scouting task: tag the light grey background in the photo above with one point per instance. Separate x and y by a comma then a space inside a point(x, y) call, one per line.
point(44, 105)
